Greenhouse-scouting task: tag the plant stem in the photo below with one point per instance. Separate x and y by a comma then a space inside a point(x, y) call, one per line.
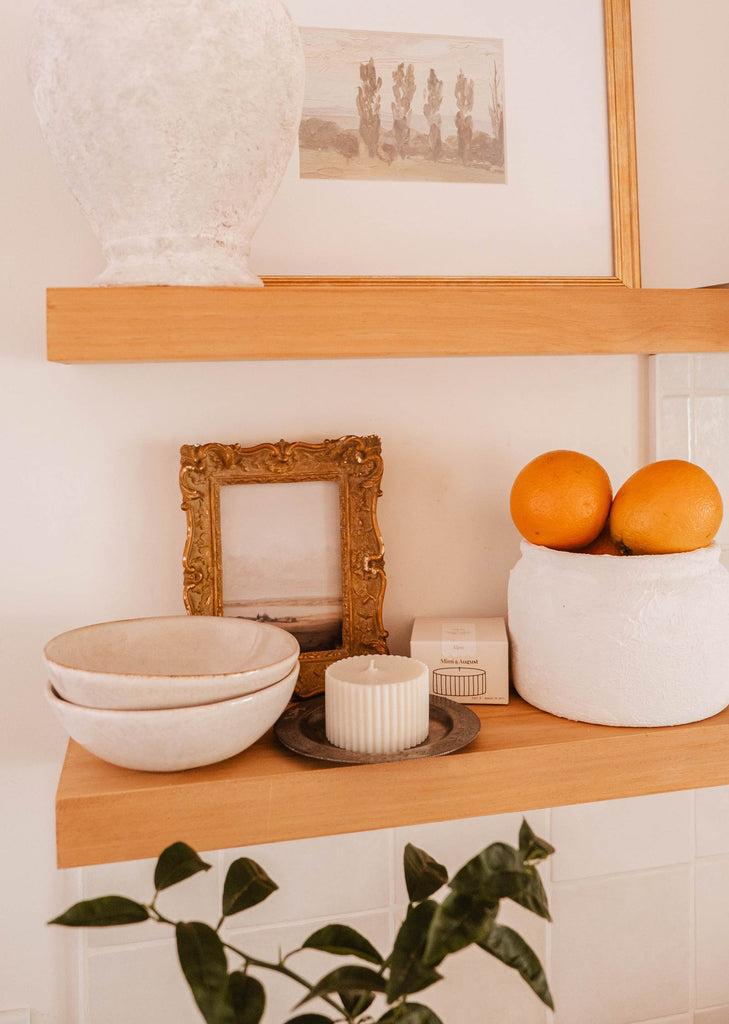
point(279, 968)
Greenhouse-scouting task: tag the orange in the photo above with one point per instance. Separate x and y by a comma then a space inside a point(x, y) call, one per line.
point(603, 544)
point(666, 507)
point(561, 500)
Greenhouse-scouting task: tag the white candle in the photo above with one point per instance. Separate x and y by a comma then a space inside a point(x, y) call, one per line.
point(376, 704)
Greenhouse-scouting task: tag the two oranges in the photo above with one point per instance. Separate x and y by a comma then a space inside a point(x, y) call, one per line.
point(564, 500)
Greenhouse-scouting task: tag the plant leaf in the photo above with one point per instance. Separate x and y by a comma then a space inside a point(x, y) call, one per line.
point(356, 1004)
point(247, 998)
point(492, 874)
point(178, 862)
point(342, 940)
point(202, 959)
point(531, 846)
point(415, 1013)
point(408, 973)
point(511, 949)
point(458, 921)
point(423, 874)
point(310, 1018)
point(531, 894)
point(499, 872)
point(246, 884)
point(103, 912)
point(351, 978)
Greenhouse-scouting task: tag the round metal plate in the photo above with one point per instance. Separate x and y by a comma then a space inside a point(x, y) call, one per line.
point(301, 729)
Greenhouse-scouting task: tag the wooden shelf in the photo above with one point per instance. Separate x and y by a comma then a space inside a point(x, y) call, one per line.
point(313, 318)
point(521, 760)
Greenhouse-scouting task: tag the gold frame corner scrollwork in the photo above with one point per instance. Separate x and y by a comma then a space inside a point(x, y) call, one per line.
point(355, 464)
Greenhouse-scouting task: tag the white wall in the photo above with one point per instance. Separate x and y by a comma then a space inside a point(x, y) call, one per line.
point(93, 529)
point(681, 88)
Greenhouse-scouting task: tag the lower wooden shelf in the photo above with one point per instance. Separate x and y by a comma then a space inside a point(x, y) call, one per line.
point(521, 760)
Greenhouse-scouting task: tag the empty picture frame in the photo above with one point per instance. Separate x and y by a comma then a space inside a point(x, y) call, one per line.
point(287, 533)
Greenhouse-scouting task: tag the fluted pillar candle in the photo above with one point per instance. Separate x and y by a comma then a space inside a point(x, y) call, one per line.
point(377, 704)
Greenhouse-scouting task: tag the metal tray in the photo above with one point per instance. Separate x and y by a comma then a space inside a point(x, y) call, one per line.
point(301, 729)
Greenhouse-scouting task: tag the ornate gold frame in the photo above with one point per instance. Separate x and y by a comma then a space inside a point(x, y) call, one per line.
point(355, 464)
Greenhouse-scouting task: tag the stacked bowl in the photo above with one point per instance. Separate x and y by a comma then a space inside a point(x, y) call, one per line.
point(170, 693)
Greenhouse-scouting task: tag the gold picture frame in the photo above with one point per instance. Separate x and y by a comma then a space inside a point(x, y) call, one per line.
point(213, 481)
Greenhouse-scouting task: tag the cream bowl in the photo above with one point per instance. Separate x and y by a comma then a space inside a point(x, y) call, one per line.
point(174, 739)
point(168, 662)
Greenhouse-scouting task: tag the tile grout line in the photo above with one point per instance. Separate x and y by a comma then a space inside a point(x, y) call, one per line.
point(692, 910)
point(392, 886)
point(627, 873)
point(351, 915)
point(548, 944)
point(94, 952)
point(82, 952)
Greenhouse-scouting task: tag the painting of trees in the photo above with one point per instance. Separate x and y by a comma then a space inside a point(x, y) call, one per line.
point(403, 91)
point(391, 105)
point(368, 106)
point(496, 109)
point(464, 120)
point(431, 109)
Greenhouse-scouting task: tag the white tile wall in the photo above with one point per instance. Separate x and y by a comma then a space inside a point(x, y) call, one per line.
point(140, 983)
point(712, 821)
point(621, 946)
point(712, 931)
point(639, 888)
point(622, 835)
point(321, 877)
point(716, 1015)
point(691, 415)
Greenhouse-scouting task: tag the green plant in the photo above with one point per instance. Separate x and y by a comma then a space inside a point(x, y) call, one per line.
point(430, 932)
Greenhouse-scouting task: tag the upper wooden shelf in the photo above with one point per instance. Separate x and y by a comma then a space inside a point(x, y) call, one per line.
point(521, 760)
point(325, 318)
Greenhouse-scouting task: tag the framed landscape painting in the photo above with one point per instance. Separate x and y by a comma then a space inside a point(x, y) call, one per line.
point(484, 143)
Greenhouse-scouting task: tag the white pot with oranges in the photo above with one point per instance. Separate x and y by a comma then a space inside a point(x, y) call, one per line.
point(618, 609)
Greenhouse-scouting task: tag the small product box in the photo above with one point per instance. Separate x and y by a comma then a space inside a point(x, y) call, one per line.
point(468, 659)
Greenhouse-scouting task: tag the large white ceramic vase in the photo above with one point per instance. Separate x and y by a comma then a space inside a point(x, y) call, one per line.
point(172, 123)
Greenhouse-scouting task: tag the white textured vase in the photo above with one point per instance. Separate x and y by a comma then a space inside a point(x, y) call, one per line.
point(172, 123)
point(640, 640)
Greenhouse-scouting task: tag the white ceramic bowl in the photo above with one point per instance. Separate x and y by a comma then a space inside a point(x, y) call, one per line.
point(174, 739)
point(168, 662)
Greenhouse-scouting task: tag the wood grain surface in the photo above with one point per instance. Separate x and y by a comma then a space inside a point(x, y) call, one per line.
point(319, 319)
point(522, 759)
